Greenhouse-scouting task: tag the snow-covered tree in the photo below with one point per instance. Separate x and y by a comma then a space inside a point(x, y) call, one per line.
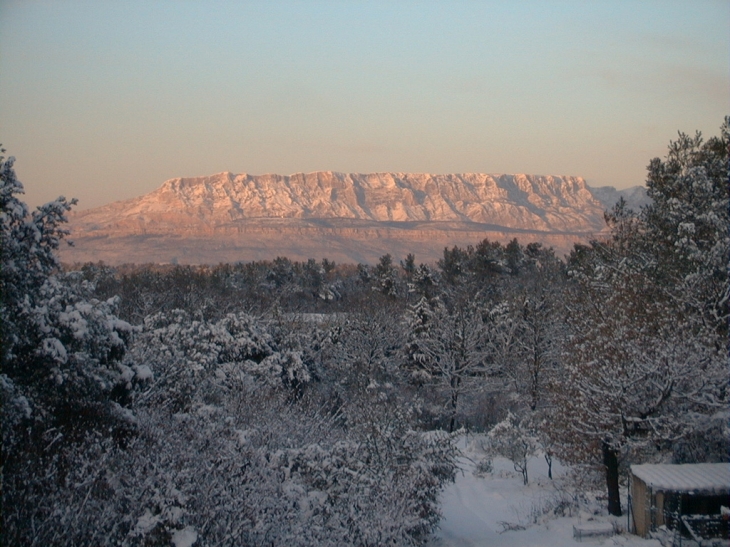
point(648, 353)
point(385, 276)
point(686, 224)
point(57, 339)
point(192, 359)
point(513, 439)
point(61, 377)
point(447, 350)
point(29, 242)
point(536, 328)
point(425, 282)
point(453, 265)
point(369, 342)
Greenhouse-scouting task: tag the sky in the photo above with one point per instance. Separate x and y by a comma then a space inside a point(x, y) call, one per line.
point(104, 100)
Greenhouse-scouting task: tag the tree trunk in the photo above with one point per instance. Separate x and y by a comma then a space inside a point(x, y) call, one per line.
point(549, 460)
point(524, 472)
point(610, 460)
point(454, 401)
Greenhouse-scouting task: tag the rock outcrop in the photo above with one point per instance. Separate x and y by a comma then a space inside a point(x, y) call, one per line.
point(344, 217)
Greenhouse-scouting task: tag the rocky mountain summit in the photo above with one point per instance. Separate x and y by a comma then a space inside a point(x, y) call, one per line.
point(341, 216)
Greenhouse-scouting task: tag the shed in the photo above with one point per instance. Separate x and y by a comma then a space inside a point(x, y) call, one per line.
point(661, 493)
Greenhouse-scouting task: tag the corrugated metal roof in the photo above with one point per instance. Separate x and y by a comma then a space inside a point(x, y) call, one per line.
point(688, 477)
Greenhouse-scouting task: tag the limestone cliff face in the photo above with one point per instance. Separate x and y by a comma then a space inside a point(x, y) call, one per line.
point(349, 208)
point(515, 201)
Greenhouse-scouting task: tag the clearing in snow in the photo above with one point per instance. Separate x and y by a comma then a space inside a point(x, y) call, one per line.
point(494, 509)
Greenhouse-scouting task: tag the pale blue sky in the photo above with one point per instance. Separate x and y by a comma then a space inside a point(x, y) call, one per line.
point(104, 100)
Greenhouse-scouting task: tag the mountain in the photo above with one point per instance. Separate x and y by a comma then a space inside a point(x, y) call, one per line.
point(635, 196)
point(341, 216)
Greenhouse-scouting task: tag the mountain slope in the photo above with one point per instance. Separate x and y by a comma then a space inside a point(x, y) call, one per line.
point(322, 210)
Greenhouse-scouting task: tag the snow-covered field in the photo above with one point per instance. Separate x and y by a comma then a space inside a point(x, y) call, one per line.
point(496, 510)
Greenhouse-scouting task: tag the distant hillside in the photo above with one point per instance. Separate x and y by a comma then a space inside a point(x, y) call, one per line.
point(345, 217)
point(608, 196)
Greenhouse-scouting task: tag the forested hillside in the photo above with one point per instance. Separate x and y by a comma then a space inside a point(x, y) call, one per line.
point(315, 403)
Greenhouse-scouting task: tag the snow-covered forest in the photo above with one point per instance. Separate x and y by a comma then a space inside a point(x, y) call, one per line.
point(289, 403)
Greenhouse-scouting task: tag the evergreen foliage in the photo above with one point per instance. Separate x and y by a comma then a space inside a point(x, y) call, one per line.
point(646, 363)
point(314, 403)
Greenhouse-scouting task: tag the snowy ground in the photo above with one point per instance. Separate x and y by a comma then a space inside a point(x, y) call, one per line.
point(478, 508)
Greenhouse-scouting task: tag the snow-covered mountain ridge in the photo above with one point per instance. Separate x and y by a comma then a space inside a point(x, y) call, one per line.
point(226, 205)
point(517, 201)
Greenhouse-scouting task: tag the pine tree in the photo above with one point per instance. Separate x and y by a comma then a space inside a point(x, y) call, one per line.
point(648, 352)
point(61, 381)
